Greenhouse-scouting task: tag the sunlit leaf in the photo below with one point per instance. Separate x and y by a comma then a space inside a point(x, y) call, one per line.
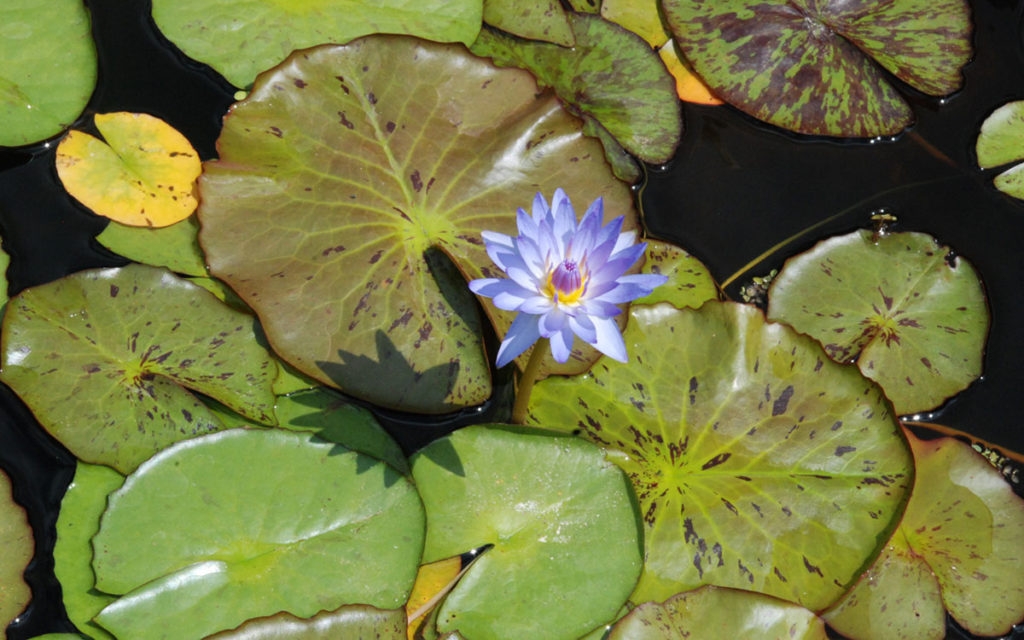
point(79, 520)
point(642, 17)
point(241, 38)
point(910, 313)
point(544, 20)
point(175, 247)
point(689, 282)
point(759, 464)
point(428, 147)
point(566, 544)
point(585, 6)
point(141, 173)
point(17, 544)
point(1001, 141)
point(434, 581)
point(105, 358)
point(247, 523)
point(960, 536)
point(715, 612)
point(805, 65)
point(357, 621)
point(689, 86)
point(49, 68)
point(611, 74)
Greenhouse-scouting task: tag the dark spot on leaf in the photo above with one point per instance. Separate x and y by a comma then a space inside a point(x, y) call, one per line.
point(811, 568)
point(300, 83)
point(344, 87)
point(693, 390)
point(187, 415)
point(926, 362)
point(345, 122)
point(778, 574)
point(746, 571)
point(417, 182)
point(717, 460)
point(277, 132)
point(782, 402)
point(114, 289)
point(730, 506)
point(372, 99)
point(335, 249)
point(840, 451)
point(389, 126)
point(837, 425)
point(401, 320)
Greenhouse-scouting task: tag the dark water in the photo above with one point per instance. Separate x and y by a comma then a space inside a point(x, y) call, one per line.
point(734, 189)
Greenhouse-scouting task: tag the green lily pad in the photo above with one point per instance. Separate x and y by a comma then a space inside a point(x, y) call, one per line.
point(566, 543)
point(175, 247)
point(759, 464)
point(1001, 141)
point(348, 233)
point(43, 88)
point(352, 621)
point(960, 537)
point(611, 74)
point(714, 612)
point(689, 282)
point(248, 523)
point(241, 38)
point(585, 6)
point(78, 522)
point(18, 545)
point(911, 315)
point(5, 261)
point(811, 66)
point(105, 358)
point(544, 20)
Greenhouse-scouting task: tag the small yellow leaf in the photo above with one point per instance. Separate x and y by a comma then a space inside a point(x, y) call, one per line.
point(689, 86)
point(142, 175)
point(432, 580)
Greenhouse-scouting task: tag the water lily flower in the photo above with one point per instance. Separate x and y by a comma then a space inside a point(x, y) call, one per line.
point(565, 279)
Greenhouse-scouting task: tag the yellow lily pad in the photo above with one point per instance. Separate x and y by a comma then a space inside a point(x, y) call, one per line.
point(141, 175)
point(689, 86)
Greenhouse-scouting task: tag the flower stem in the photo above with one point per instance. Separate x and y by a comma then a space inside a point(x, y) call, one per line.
point(527, 380)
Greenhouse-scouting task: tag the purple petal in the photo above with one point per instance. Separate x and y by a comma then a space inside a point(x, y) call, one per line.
point(620, 262)
point(540, 208)
point(551, 323)
point(532, 257)
point(609, 339)
point(520, 336)
point(564, 218)
point(600, 309)
point(521, 275)
point(561, 344)
point(488, 287)
point(582, 326)
point(582, 243)
point(625, 239)
point(605, 243)
point(536, 305)
point(632, 287)
point(510, 300)
point(526, 225)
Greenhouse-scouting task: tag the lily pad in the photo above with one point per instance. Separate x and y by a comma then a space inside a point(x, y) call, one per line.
point(561, 518)
point(714, 612)
point(141, 174)
point(18, 545)
point(78, 522)
point(908, 311)
point(960, 537)
point(241, 38)
point(248, 523)
point(5, 261)
point(544, 20)
point(759, 464)
point(1001, 141)
point(611, 74)
point(352, 621)
point(175, 247)
point(689, 282)
point(105, 358)
point(425, 152)
point(813, 67)
point(49, 68)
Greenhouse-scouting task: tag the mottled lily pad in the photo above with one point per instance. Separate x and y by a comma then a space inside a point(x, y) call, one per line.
point(911, 314)
point(105, 359)
point(958, 546)
point(141, 173)
point(1001, 141)
point(49, 68)
point(248, 523)
point(241, 38)
point(353, 621)
point(759, 464)
point(544, 20)
point(78, 522)
point(611, 74)
point(175, 247)
point(18, 545)
point(715, 612)
point(689, 282)
point(816, 67)
point(428, 146)
point(561, 519)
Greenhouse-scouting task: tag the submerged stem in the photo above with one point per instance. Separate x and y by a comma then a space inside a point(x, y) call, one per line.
point(527, 380)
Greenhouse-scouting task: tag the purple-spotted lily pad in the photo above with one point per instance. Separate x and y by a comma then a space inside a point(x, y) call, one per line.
point(561, 518)
point(341, 176)
point(241, 38)
point(106, 358)
point(248, 523)
point(17, 544)
point(532, 19)
point(715, 612)
point(759, 463)
point(815, 66)
point(911, 314)
point(957, 546)
point(611, 75)
point(689, 282)
point(1000, 142)
point(353, 621)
